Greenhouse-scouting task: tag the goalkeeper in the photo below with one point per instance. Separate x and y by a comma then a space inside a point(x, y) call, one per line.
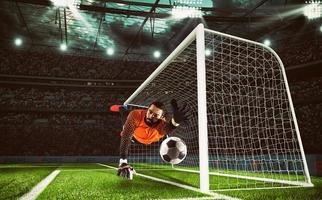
point(147, 126)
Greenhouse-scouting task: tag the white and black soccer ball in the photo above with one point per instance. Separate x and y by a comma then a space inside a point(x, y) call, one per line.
point(173, 150)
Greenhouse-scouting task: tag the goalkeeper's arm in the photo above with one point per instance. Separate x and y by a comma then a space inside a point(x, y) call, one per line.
point(125, 170)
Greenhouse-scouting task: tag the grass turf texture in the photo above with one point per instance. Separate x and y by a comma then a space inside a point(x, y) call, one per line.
point(102, 183)
point(217, 182)
point(92, 181)
point(16, 181)
point(310, 193)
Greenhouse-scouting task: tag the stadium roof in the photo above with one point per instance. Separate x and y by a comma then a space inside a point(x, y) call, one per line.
point(141, 26)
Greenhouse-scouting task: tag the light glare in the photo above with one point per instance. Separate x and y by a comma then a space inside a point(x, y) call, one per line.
point(110, 51)
point(208, 52)
point(185, 11)
point(267, 42)
point(62, 3)
point(63, 47)
point(313, 10)
point(18, 41)
point(157, 54)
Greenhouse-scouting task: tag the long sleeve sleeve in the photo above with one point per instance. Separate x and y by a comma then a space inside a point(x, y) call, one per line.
point(127, 134)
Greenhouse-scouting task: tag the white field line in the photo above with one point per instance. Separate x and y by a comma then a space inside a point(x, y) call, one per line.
point(192, 198)
point(80, 170)
point(295, 183)
point(214, 195)
point(34, 192)
point(260, 188)
point(156, 169)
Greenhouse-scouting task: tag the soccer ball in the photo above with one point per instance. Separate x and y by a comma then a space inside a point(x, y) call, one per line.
point(173, 150)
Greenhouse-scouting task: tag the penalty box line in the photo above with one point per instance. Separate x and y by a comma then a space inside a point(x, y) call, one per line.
point(35, 191)
point(214, 195)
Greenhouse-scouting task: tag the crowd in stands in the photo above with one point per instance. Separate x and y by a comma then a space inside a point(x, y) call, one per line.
point(64, 134)
point(59, 98)
point(97, 134)
point(60, 130)
point(306, 89)
point(297, 53)
point(59, 121)
point(309, 118)
point(52, 64)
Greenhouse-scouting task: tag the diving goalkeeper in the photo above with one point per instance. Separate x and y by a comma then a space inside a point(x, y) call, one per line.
point(147, 126)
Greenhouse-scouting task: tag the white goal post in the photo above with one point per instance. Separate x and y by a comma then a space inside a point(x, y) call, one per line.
point(243, 132)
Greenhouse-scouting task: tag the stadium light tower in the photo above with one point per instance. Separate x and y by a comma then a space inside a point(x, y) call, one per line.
point(62, 3)
point(18, 42)
point(313, 9)
point(180, 12)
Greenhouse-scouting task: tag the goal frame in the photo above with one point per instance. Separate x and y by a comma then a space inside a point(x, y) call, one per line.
point(198, 34)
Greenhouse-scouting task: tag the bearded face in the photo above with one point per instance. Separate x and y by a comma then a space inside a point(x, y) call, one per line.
point(153, 115)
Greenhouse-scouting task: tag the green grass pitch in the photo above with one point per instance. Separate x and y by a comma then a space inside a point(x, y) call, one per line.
point(93, 181)
point(15, 180)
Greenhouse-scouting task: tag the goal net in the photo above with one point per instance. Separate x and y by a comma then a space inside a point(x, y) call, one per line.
point(243, 132)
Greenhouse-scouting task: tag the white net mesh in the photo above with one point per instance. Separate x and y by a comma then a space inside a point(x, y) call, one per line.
point(251, 132)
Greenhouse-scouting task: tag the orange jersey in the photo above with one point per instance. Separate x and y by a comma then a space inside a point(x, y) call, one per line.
point(141, 131)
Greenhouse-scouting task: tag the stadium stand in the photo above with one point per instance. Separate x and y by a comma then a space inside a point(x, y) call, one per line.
point(39, 117)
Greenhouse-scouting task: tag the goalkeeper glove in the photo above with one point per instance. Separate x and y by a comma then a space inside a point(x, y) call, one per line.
point(125, 171)
point(180, 114)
